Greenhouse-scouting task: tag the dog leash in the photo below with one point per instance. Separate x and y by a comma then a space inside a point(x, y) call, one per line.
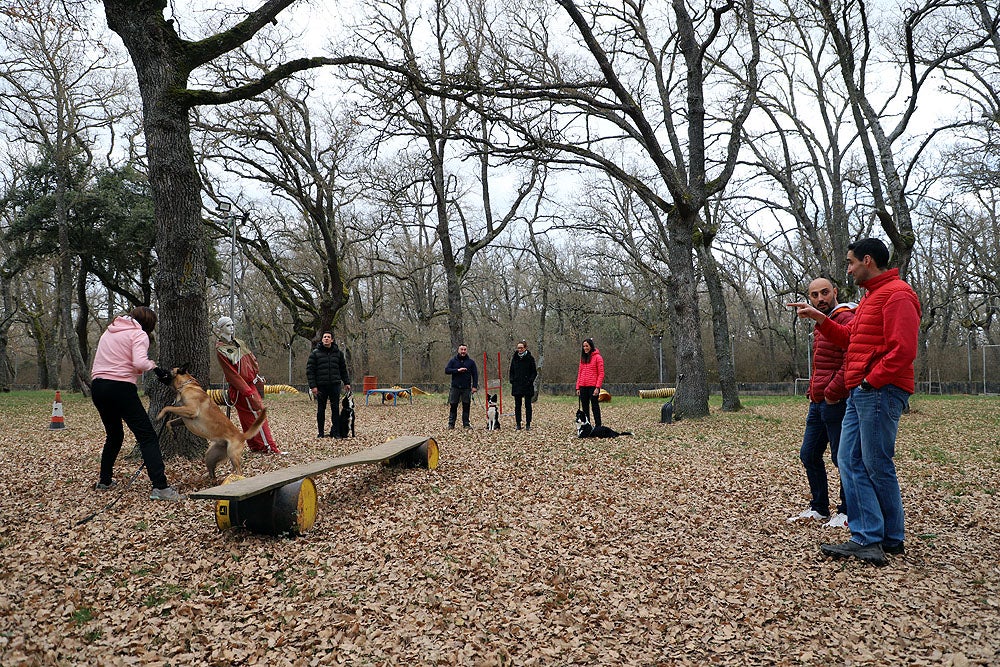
point(123, 489)
point(114, 500)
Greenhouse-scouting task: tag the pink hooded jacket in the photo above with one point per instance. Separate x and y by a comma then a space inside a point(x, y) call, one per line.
point(122, 353)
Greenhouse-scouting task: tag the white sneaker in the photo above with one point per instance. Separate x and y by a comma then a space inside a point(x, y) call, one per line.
point(838, 520)
point(169, 493)
point(808, 514)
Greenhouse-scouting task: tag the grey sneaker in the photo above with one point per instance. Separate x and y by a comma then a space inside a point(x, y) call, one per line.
point(169, 493)
point(870, 553)
point(101, 486)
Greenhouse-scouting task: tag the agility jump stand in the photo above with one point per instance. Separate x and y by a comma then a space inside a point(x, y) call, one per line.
point(493, 384)
point(284, 501)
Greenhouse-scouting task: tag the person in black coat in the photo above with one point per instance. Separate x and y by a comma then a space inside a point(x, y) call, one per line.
point(464, 383)
point(326, 371)
point(522, 382)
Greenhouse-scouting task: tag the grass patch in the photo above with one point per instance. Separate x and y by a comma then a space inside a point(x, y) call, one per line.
point(931, 453)
point(82, 615)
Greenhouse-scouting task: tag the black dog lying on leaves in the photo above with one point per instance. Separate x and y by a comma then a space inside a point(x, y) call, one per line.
point(346, 424)
point(584, 429)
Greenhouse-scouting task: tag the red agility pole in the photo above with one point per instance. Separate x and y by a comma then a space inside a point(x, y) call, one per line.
point(497, 384)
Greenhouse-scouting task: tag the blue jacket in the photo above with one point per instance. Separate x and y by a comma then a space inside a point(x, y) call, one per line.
point(463, 380)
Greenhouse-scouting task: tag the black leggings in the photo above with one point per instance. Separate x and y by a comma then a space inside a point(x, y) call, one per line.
point(117, 401)
point(527, 409)
point(588, 398)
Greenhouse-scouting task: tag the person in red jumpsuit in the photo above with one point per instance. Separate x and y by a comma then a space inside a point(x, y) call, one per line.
point(246, 386)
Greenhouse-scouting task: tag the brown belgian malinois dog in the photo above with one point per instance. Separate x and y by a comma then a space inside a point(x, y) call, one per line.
point(203, 417)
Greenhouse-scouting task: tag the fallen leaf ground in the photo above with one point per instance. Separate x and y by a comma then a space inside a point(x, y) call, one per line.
point(522, 548)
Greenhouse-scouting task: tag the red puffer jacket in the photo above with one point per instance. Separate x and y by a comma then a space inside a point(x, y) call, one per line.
point(827, 381)
point(591, 373)
point(882, 340)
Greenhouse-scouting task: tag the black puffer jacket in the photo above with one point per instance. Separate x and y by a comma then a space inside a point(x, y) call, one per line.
point(326, 365)
point(522, 374)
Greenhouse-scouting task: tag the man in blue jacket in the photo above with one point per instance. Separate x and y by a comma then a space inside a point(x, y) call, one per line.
point(464, 383)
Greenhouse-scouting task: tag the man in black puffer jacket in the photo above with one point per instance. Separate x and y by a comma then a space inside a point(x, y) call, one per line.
point(326, 371)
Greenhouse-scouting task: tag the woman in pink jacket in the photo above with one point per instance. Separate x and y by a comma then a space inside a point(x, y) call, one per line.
point(589, 379)
point(122, 357)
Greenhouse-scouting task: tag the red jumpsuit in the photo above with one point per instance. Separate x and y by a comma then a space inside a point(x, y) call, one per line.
point(246, 390)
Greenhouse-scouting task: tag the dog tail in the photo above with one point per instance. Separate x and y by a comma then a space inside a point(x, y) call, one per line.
point(255, 427)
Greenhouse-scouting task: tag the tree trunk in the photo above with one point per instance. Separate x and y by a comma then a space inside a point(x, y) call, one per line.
point(691, 399)
point(540, 346)
point(720, 327)
point(179, 280)
point(452, 270)
point(6, 321)
point(64, 277)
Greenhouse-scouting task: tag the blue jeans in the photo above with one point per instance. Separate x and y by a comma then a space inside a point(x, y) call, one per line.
point(867, 445)
point(823, 423)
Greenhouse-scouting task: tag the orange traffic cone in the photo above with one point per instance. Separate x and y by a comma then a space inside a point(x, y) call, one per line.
point(57, 414)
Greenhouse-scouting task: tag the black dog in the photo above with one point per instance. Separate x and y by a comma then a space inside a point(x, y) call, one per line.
point(346, 424)
point(584, 429)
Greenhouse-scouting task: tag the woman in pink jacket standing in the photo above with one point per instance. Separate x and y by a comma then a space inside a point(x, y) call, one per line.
point(589, 379)
point(122, 357)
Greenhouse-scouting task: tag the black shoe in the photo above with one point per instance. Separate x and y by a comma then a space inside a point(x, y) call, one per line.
point(527, 427)
point(469, 426)
point(451, 426)
point(321, 435)
point(870, 553)
point(894, 549)
point(517, 428)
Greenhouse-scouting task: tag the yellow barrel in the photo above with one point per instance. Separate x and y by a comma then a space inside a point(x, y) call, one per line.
point(288, 509)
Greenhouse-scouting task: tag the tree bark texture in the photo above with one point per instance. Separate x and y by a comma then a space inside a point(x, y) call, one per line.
point(720, 327)
point(691, 399)
point(180, 278)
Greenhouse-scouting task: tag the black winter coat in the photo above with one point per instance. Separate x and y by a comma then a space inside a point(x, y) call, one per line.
point(522, 375)
point(326, 365)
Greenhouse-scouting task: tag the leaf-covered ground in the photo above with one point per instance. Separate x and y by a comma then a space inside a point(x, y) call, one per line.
point(670, 547)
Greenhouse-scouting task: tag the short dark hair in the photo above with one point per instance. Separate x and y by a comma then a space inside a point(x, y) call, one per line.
point(145, 316)
point(872, 247)
point(325, 333)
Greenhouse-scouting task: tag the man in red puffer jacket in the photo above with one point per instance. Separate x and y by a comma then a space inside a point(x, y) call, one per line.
point(881, 347)
point(827, 404)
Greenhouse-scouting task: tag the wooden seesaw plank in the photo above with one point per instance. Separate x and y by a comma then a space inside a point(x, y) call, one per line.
point(251, 486)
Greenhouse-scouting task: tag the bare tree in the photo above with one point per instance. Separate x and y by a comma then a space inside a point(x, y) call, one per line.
point(57, 94)
point(164, 62)
point(411, 106)
point(285, 142)
point(922, 53)
point(647, 93)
